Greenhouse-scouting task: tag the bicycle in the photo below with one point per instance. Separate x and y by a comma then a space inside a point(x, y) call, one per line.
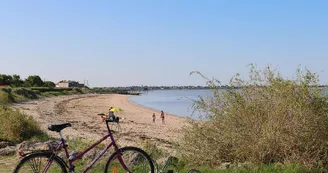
point(117, 162)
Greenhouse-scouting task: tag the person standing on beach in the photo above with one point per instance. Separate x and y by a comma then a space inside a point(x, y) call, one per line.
point(154, 117)
point(163, 117)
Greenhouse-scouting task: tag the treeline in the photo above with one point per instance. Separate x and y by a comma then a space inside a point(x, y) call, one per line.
point(31, 81)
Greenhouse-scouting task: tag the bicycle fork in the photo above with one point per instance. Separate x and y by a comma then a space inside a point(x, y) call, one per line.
point(119, 156)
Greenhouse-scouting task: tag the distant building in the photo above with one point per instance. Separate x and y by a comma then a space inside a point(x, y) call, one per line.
point(69, 84)
point(4, 86)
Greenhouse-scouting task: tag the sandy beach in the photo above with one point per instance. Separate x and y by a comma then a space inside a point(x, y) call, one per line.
point(81, 111)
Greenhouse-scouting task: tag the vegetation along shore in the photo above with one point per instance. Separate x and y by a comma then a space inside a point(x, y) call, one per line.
point(271, 124)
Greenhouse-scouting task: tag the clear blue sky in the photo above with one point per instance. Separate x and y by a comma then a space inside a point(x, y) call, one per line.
point(129, 42)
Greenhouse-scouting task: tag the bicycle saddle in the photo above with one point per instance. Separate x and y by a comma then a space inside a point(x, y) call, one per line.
point(59, 127)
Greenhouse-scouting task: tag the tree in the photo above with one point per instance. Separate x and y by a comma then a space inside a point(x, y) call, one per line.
point(17, 81)
point(49, 84)
point(33, 81)
point(5, 79)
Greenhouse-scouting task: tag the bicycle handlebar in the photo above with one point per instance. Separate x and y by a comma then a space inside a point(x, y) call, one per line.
point(111, 119)
point(114, 119)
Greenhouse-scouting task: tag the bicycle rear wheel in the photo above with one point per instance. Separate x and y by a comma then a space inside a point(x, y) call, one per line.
point(37, 162)
point(136, 160)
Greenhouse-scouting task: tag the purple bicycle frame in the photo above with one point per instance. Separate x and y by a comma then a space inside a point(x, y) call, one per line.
point(70, 162)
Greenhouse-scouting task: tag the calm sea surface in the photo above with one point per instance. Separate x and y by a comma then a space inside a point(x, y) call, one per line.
point(175, 102)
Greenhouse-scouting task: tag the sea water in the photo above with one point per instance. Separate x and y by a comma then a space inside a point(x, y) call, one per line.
point(176, 102)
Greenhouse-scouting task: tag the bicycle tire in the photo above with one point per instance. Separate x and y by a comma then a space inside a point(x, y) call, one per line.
point(47, 155)
point(165, 169)
point(155, 166)
point(194, 171)
point(125, 150)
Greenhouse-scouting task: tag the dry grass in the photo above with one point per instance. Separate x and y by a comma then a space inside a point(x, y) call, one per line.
point(6, 96)
point(267, 120)
point(17, 127)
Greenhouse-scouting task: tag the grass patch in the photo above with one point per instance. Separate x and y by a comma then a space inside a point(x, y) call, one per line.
point(79, 144)
point(6, 97)
point(8, 163)
point(22, 94)
point(48, 89)
point(17, 127)
point(153, 150)
point(259, 169)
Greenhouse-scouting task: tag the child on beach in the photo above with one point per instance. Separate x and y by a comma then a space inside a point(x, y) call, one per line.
point(163, 117)
point(154, 117)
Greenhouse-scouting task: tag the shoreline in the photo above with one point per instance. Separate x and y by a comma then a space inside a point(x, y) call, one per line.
point(153, 109)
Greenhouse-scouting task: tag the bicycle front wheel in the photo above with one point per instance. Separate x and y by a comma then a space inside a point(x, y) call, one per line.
point(38, 162)
point(171, 168)
point(194, 171)
point(135, 159)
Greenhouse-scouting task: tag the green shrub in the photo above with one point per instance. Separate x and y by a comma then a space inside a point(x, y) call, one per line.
point(78, 90)
point(73, 92)
point(17, 127)
point(38, 93)
point(268, 120)
point(25, 92)
point(48, 89)
point(52, 93)
point(6, 97)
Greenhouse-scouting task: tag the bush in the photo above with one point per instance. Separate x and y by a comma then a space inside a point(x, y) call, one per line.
point(52, 93)
point(47, 89)
point(78, 90)
point(6, 96)
point(17, 127)
point(267, 120)
point(26, 93)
